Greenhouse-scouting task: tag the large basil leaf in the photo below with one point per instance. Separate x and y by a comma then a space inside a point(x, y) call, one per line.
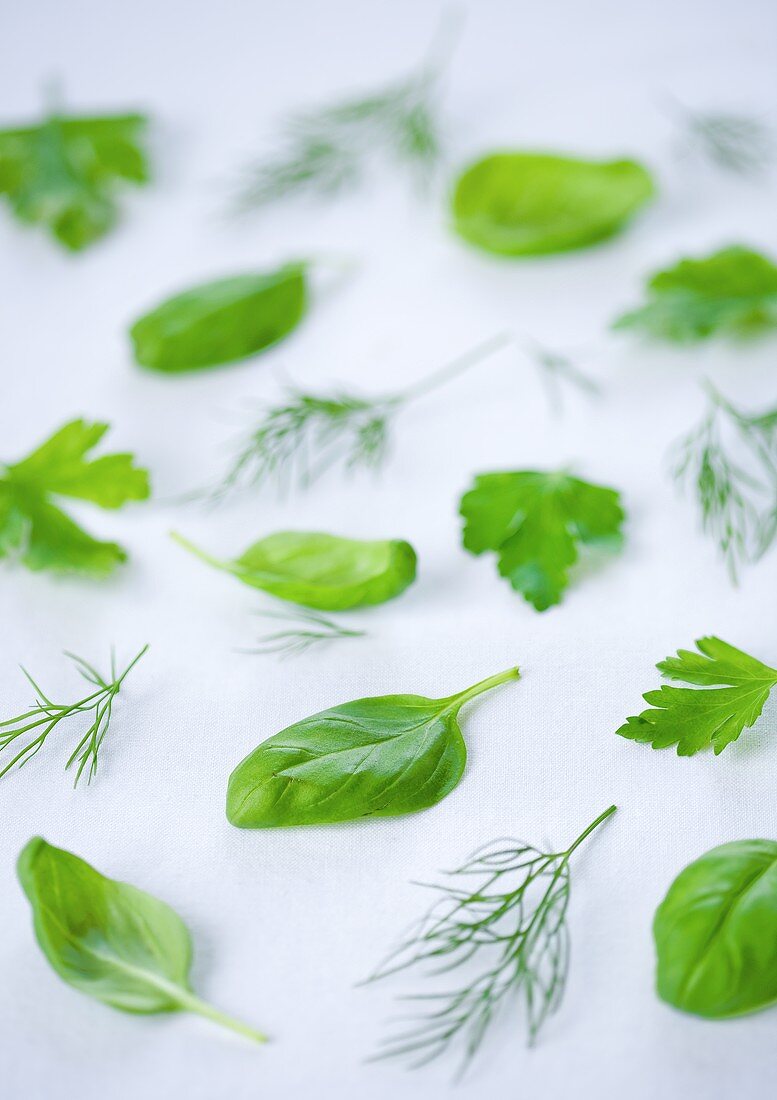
point(716, 932)
point(322, 571)
point(378, 757)
point(221, 322)
point(522, 204)
point(111, 940)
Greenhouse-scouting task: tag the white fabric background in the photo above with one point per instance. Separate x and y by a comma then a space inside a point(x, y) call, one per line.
point(286, 922)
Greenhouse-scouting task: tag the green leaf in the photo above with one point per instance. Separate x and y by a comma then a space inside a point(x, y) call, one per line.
point(379, 757)
point(221, 322)
point(731, 293)
point(34, 528)
point(322, 571)
point(524, 204)
point(535, 521)
point(716, 932)
point(110, 940)
point(63, 174)
point(694, 720)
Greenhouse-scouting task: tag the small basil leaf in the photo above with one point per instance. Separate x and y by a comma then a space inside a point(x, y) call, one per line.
point(111, 940)
point(221, 322)
point(716, 932)
point(322, 571)
point(379, 757)
point(522, 204)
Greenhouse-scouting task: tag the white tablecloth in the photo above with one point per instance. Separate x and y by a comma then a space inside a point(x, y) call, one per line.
point(286, 922)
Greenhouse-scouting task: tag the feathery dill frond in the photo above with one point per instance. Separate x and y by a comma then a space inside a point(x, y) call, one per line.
point(325, 151)
point(729, 460)
point(306, 629)
point(508, 928)
point(44, 717)
point(298, 441)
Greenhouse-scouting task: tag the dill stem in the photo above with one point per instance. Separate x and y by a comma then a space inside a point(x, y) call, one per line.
point(587, 832)
point(452, 370)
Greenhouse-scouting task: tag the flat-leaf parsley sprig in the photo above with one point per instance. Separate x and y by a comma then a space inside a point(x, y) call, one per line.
point(32, 728)
point(730, 462)
point(509, 926)
point(297, 441)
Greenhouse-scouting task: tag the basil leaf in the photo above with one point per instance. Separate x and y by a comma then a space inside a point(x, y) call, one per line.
point(716, 932)
point(221, 322)
point(322, 571)
point(523, 204)
point(111, 940)
point(379, 757)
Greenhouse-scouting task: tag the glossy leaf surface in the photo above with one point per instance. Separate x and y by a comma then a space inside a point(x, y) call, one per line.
point(376, 757)
point(716, 932)
point(221, 322)
point(322, 571)
point(523, 204)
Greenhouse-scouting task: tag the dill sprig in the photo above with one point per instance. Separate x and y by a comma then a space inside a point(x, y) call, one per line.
point(306, 630)
point(730, 462)
point(297, 441)
point(327, 150)
point(736, 142)
point(44, 717)
point(510, 925)
point(558, 370)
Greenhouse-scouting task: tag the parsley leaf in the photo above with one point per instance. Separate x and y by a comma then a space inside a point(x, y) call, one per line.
point(62, 174)
point(694, 720)
point(535, 521)
point(35, 529)
point(733, 292)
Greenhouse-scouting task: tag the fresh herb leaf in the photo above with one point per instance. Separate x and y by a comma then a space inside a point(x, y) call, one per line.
point(63, 174)
point(732, 292)
point(380, 757)
point(33, 528)
point(321, 571)
point(730, 462)
point(300, 440)
point(110, 940)
point(221, 322)
point(306, 629)
point(716, 932)
point(525, 204)
point(326, 151)
point(534, 521)
point(694, 720)
point(510, 928)
point(45, 716)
